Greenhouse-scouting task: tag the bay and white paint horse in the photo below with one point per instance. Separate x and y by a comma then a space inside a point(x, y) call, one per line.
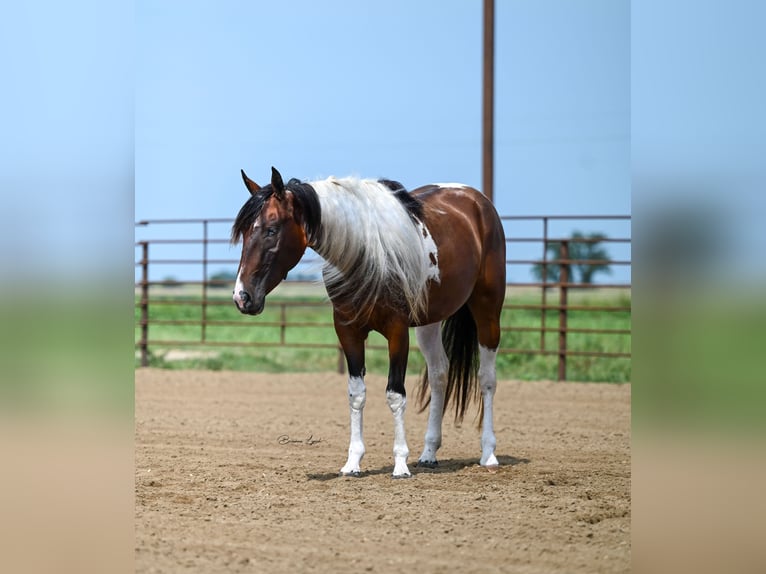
point(433, 259)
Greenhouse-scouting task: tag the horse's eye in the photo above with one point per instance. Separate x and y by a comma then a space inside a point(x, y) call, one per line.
point(271, 231)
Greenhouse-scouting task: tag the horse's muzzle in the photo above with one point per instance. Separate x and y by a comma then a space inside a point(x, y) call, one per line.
point(246, 304)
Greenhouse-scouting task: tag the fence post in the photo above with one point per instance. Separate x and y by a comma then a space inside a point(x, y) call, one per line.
point(563, 280)
point(204, 280)
point(144, 342)
point(543, 309)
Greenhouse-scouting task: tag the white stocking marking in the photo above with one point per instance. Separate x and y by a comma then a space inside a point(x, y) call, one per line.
point(430, 343)
point(357, 396)
point(397, 403)
point(488, 383)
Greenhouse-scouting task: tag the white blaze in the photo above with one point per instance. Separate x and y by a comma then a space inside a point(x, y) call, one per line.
point(238, 286)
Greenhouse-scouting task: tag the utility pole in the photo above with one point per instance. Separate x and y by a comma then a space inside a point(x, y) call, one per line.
point(488, 101)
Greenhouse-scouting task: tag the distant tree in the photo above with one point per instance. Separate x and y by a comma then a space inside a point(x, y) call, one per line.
point(223, 278)
point(590, 250)
point(170, 281)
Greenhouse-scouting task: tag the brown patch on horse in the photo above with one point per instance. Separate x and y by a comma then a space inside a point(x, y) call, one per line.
point(275, 210)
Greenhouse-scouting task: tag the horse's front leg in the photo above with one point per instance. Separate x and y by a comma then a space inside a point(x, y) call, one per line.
point(398, 349)
point(352, 342)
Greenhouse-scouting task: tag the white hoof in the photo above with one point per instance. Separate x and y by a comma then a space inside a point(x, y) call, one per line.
point(489, 461)
point(351, 468)
point(400, 469)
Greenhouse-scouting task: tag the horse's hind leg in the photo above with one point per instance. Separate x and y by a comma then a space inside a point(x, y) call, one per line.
point(488, 384)
point(488, 330)
point(430, 343)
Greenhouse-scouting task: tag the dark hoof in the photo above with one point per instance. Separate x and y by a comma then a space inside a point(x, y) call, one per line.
point(355, 474)
point(428, 463)
point(398, 476)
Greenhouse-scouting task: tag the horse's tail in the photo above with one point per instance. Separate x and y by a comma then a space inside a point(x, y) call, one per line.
point(461, 344)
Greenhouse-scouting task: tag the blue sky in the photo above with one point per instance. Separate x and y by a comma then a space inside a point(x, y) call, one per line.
point(381, 90)
point(122, 110)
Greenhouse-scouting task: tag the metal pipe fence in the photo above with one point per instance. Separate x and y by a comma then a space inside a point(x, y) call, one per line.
point(556, 294)
point(564, 285)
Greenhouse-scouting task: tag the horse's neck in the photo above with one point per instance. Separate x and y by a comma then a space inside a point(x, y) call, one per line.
point(362, 220)
point(370, 243)
point(339, 236)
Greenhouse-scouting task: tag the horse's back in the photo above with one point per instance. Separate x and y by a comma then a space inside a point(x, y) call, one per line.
point(448, 202)
point(456, 213)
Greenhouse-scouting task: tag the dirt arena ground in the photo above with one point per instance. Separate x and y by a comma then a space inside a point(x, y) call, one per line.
point(237, 472)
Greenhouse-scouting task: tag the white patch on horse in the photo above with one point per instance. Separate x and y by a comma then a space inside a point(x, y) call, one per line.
point(367, 240)
point(430, 342)
point(398, 403)
point(451, 185)
point(430, 252)
point(487, 383)
point(357, 396)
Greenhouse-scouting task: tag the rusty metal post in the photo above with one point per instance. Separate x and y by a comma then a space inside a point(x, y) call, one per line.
point(543, 310)
point(563, 280)
point(144, 342)
point(488, 101)
point(204, 279)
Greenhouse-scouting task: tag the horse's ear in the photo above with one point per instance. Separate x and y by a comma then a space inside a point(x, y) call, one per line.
point(252, 187)
point(276, 183)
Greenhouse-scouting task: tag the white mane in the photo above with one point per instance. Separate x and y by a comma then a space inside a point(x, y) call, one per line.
point(371, 246)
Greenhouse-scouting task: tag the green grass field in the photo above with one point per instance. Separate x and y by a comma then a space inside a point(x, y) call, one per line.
point(301, 304)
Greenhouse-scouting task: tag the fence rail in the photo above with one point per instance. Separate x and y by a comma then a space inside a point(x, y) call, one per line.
point(560, 284)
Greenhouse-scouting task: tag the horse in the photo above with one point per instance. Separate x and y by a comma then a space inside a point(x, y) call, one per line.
point(432, 259)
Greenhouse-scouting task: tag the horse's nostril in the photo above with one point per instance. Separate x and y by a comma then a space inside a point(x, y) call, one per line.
point(246, 300)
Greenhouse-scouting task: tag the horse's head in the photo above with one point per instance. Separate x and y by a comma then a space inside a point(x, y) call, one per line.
point(275, 226)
